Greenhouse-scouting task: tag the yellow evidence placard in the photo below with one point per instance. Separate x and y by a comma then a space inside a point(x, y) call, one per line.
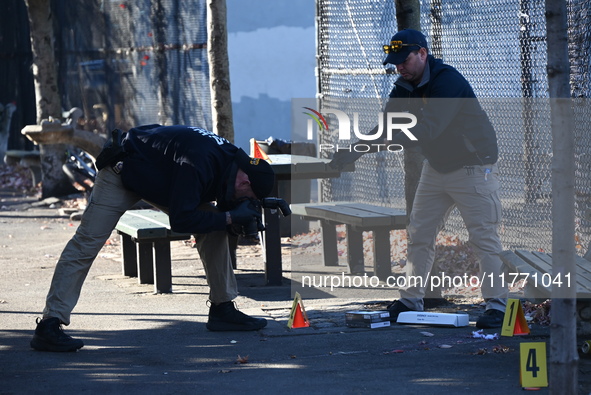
point(514, 322)
point(533, 367)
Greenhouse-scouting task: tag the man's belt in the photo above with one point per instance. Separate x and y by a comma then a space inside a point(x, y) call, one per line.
point(117, 167)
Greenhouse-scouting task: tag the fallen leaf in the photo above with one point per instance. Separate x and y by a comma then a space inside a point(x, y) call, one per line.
point(501, 349)
point(242, 359)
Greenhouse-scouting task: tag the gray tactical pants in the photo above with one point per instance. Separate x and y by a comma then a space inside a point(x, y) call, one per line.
point(108, 201)
point(474, 191)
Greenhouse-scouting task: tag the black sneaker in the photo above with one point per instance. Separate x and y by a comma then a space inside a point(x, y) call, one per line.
point(225, 317)
point(491, 318)
point(396, 308)
point(49, 336)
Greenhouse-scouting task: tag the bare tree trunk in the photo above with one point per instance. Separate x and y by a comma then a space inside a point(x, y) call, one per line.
point(219, 69)
point(563, 372)
point(158, 17)
point(55, 182)
point(436, 28)
point(44, 72)
point(5, 120)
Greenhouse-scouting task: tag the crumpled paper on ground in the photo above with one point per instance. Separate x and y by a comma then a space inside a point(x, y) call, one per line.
point(480, 335)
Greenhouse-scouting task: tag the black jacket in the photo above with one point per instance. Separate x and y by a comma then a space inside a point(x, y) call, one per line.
point(180, 167)
point(452, 129)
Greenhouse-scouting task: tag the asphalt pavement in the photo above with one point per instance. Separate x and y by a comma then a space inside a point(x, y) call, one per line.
point(140, 342)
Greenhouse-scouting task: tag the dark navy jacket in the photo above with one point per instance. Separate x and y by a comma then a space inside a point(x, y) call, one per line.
point(179, 167)
point(452, 129)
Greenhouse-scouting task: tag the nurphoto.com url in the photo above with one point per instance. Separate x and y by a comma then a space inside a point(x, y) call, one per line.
point(343, 280)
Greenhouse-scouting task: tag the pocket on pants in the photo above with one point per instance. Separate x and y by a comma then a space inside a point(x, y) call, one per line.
point(492, 202)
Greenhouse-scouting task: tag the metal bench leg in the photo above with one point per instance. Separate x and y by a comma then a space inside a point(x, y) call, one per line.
point(381, 254)
point(162, 267)
point(330, 252)
point(355, 250)
point(273, 263)
point(233, 244)
point(129, 257)
point(145, 268)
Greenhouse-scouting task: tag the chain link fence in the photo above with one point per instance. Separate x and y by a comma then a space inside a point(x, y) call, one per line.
point(500, 47)
point(134, 62)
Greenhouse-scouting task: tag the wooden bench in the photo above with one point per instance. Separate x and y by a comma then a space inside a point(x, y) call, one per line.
point(145, 243)
point(357, 217)
point(537, 266)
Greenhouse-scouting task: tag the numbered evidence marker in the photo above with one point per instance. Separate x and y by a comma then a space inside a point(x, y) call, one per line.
point(532, 360)
point(514, 322)
point(298, 317)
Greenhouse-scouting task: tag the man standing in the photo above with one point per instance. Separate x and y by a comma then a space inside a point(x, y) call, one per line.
point(183, 170)
point(460, 146)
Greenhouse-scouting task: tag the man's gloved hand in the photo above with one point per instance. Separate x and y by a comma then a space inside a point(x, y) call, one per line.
point(342, 158)
point(245, 213)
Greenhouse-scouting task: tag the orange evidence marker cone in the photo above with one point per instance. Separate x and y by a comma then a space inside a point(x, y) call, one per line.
point(298, 317)
point(521, 327)
point(299, 321)
point(514, 322)
point(256, 151)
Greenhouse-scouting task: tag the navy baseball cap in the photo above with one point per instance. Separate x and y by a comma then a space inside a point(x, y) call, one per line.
point(259, 171)
point(402, 44)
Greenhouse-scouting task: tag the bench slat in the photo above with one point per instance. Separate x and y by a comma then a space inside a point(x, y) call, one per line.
point(545, 265)
point(583, 267)
point(583, 273)
point(157, 217)
point(518, 265)
point(359, 215)
point(351, 216)
point(397, 217)
point(542, 263)
point(533, 260)
point(149, 224)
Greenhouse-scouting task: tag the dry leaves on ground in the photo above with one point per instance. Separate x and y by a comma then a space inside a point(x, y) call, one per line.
point(17, 178)
point(452, 255)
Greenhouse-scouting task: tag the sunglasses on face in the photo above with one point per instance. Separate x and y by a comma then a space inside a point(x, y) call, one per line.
point(397, 46)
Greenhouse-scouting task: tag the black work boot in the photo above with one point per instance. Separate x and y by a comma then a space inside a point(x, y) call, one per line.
point(49, 336)
point(395, 308)
point(491, 318)
point(225, 317)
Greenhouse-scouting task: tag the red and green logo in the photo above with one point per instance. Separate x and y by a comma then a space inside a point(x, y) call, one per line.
point(316, 116)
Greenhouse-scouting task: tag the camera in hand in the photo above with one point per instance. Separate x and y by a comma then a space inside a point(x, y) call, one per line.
point(251, 230)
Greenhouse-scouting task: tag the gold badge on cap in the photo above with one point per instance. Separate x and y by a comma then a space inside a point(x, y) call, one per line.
point(254, 161)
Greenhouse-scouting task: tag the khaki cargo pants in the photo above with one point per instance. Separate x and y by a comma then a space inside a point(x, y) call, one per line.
point(474, 191)
point(108, 201)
